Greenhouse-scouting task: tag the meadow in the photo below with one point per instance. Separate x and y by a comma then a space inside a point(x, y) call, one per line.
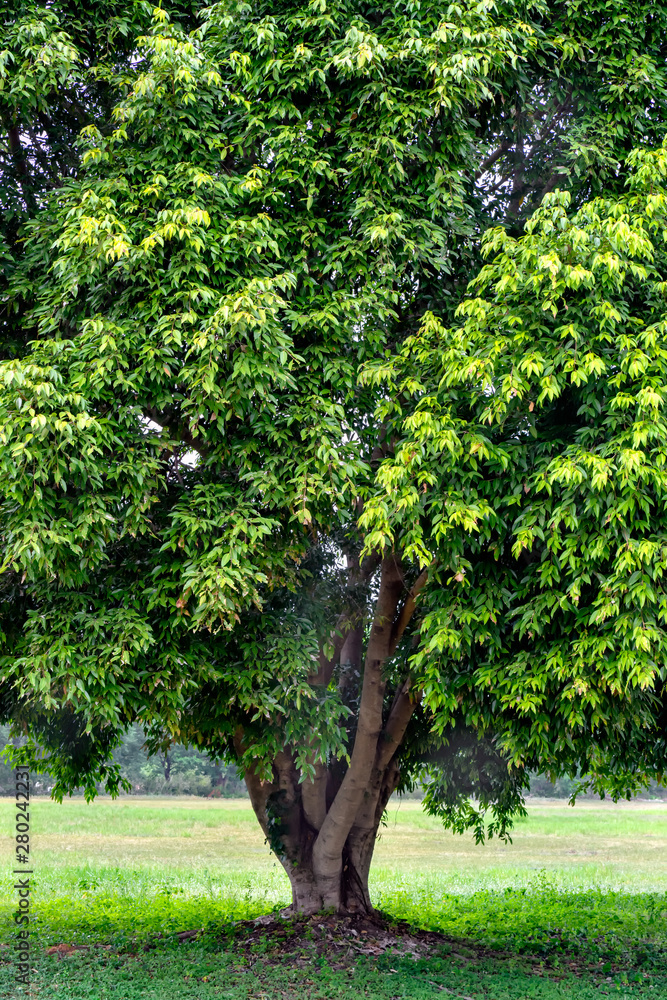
point(576, 906)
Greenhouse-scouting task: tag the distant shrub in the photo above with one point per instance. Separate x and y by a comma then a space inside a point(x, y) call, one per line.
point(562, 788)
point(181, 771)
point(188, 771)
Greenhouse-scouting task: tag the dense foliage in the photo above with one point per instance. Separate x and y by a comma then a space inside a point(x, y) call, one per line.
point(532, 477)
point(274, 482)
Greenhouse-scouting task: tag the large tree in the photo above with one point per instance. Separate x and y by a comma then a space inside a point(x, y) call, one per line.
point(255, 496)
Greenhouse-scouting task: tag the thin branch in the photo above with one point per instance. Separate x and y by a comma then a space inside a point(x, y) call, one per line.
point(407, 611)
point(397, 723)
point(554, 114)
point(16, 150)
point(492, 158)
point(180, 432)
point(559, 174)
point(326, 664)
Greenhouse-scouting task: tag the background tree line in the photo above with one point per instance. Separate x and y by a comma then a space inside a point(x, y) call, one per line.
point(188, 771)
point(177, 771)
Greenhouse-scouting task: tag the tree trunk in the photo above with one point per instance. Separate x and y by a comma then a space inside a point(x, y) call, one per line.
point(308, 893)
point(280, 807)
point(323, 827)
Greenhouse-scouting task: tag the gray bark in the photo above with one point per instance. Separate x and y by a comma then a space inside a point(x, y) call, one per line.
point(281, 807)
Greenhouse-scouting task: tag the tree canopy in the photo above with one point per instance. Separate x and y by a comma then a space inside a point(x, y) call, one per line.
point(531, 473)
point(331, 434)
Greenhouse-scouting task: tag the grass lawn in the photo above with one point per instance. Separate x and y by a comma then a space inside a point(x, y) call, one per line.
point(576, 907)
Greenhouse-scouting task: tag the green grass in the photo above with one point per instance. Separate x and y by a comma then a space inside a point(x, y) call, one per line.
point(575, 907)
point(203, 972)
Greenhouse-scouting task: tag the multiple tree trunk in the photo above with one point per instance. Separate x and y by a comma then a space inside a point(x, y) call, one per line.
point(324, 829)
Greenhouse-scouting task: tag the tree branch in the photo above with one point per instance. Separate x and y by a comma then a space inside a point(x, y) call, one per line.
point(344, 625)
point(558, 174)
point(326, 664)
point(394, 731)
point(554, 114)
point(16, 150)
point(328, 847)
point(180, 432)
point(492, 158)
point(314, 797)
point(350, 658)
point(407, 611)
